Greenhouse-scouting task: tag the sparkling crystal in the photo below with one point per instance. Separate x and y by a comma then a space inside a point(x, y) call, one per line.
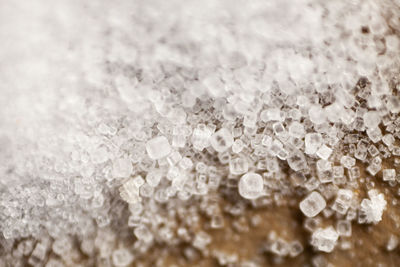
point(324, 152)
point(371, 209)
point(388, 140)
point(238, 165)
point(122, 168)
point(347, 161)
point(251, 185)
point(324, 239)
point(389, 174)
point(372, 119)
point(316, 114)
point(354, 173)
point(273, 114)
point(297, 161)
point(343, 201)
point(313, 204)
point(158, 147)
point(374, 134)
point(201, 137)
point(186, 163)
point(296, 129)
point(237, 146)
point(313, 142)
point(221, 140)
point(393, 104)
point(312, 184)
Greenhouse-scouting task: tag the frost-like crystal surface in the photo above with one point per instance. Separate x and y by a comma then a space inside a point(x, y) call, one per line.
point(313, 204)
point(133, 133)
point(372, 208)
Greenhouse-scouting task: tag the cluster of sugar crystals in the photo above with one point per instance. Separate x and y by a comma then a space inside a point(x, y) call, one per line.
point(195, 115)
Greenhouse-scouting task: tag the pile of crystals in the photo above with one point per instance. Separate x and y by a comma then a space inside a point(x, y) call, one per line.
point(136, 123)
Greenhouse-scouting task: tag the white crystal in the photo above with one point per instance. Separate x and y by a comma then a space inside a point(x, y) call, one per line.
point(372, 119)
point(188, 100)
point(392, 243)
point(313, 141)
point(312, 184)
point(372, 209)
point(389, 174)
point(251, 185)
point(324, 239)
point(129, 191)
point(185, 163)
point(238, 165)
point(375, 134)
point(122, 257)
point(343, 201)
point(153, 177)
point(316, 114)
point(297, 161)
point(324, 165)
point(272, 114)
point(388, 140)
point(99, 155)
point(143, 233)
point(313, 204)
point(174, 158)
point(221, 140)
point(324, 152)
point(347, 161)
point(122, 168)
point(158, 147)
point(295, 248)
point(393, 104)
point(201, 137)
point(237, 146)
point(296, 129)
point(343, 228)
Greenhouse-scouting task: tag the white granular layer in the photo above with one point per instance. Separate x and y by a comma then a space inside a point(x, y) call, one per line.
point(116, 109)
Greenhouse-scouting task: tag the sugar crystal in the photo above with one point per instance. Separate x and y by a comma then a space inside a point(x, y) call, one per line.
point(389, 174)
point(251, 185)
point(324, 239)
point(313, 204)
point(372, 119)
point(221, 140)
point(122, 168)
point(343, 228)
point(158, 147)
point(238, 165)
point(313, 141)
